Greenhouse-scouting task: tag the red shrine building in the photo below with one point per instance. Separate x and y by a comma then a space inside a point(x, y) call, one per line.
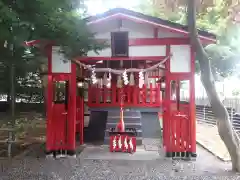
point(159, 79)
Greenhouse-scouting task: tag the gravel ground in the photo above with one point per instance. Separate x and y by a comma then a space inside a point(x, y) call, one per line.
point(205, 167)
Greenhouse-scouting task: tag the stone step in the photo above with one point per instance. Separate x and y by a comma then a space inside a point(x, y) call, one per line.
point(132, 119)
point(125, 113)
point(137, 125)
point(139, 133)
point(126, 119)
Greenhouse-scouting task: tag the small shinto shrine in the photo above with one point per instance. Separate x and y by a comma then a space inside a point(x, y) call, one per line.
point(149, 66)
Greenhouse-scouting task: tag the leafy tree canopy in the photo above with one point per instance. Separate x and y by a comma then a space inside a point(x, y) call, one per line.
point(57, 20)
point(60, 21)
point(213, 16)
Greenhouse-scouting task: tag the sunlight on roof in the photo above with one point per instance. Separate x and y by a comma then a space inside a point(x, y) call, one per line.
point(100, 6)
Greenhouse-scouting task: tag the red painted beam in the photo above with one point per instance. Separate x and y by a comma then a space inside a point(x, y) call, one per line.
point(133, 41)
point(152, 41)
point(158, 41)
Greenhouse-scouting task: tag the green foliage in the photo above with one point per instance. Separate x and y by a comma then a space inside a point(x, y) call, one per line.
point(236, 92)
point(60, 21)
point(224, 54)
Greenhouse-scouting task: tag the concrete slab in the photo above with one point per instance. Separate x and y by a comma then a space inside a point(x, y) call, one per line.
point(207, 136)
point(102, 153)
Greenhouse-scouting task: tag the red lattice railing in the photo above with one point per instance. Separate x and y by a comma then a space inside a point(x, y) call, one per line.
point(134, 96)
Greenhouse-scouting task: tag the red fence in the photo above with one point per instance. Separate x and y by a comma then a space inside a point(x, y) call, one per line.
point(134, 96)
point(179, 130)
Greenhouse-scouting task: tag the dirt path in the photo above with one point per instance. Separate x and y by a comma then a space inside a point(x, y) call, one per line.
point(206, 166)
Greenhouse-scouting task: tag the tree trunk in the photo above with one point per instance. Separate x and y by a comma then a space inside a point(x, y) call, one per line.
point(225, 129)
point(44, 81)
point(13, 99)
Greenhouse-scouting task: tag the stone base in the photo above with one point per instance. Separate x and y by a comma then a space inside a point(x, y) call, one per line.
point(60, 154)
point(181, 155)
point(194, 154)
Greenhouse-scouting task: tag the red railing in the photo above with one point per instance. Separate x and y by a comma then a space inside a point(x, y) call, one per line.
point(134, 96)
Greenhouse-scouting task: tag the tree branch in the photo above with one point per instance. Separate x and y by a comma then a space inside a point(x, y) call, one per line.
point(225, 128)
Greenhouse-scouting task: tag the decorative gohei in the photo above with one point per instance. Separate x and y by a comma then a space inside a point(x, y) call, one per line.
point(131, 80)
point(93, 76)
point(121, 138)
point(109, 80)
point(141, 79)
point(125, 78)
point(123, 142)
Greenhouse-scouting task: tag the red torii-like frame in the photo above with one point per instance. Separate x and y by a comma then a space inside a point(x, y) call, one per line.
point(175, 126)
point(61, 118)
point(169, 117)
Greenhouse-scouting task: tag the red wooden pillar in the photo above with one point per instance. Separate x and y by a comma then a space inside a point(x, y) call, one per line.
point(72, 110)
point(135, 94)
point(89, 94)
point(104, 94)
point(49, 137)
point(151, 94)
point(81, 119)
point(178, 94)
point(166, 105)
point(158, 99)
point(192, 106)
point(113, 94)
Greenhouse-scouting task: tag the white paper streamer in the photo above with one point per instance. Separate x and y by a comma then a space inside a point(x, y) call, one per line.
point(93, 76)
point(109, 80)
point(141, 79)
point(146, 78)
point(125, 78)
point(105, 80)
point(131, 80)
point(119, 82)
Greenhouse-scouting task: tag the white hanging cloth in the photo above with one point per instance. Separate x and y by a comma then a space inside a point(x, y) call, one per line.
point(105, 80)
point(146, 80)
point(108, 80)
point(141, 79)
point(131, 80)
point(119, 82)
point(125, 78)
